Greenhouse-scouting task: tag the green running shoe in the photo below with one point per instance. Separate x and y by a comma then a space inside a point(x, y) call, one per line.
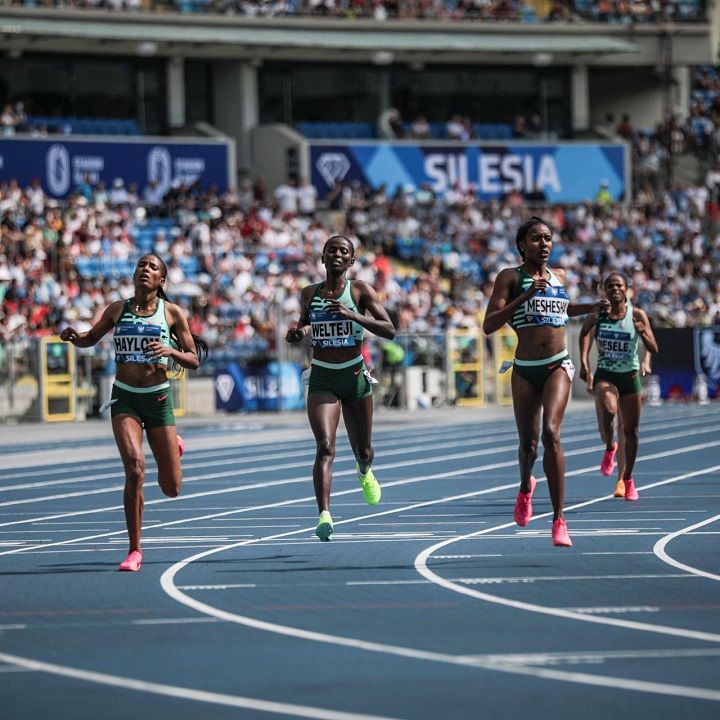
point(370, 486)
point(324, 529)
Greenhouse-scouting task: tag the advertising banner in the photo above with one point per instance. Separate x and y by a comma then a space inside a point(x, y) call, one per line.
point(554, 172)
point(686, 353)
point(260, 387)
point(63, 162)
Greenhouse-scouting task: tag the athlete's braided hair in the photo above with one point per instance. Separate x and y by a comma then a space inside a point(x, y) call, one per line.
point(201, 345)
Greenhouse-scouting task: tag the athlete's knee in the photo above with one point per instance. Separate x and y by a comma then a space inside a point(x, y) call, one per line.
point(551, 436)
point(134, 470)
point(326, 449)
point(632, 435)
point(529, 448)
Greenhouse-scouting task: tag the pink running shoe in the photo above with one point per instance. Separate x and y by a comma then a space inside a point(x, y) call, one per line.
point(132, 562)
point(523, 505)
point(181, 445)
point(631, 492)
point(559, 533)
point(608, 462)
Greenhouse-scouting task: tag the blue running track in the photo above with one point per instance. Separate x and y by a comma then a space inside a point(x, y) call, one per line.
point(431, 605)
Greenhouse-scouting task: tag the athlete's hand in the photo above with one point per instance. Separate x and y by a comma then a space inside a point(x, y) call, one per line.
point(601, 307)
point(538, 286)
point(338, 308)
point(294, 335)
point(69, 334)
point(156, 350)
point(639, 327)
point(589, 382)
point(584, 371)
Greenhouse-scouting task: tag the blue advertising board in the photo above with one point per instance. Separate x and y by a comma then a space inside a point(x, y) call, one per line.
point(684, 354)
point(259, 387)
point(559, 172)
point(63, 162)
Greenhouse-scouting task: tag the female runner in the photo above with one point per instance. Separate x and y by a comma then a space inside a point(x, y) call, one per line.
point(335, 313)
point(532, 299)
point(148, 332)
point(616, 382)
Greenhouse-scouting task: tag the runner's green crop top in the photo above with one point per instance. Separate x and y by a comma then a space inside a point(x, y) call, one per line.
point(133, 333)
point(328, 330)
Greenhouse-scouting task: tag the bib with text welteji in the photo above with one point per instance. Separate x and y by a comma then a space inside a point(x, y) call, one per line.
point(330, 330)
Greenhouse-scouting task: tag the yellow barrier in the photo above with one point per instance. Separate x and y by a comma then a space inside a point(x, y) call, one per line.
point(467, 353)
point(57, 379)
point(504, 344)
point(179, 392)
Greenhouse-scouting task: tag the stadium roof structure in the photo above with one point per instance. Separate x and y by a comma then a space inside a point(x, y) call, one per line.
point(305, 39)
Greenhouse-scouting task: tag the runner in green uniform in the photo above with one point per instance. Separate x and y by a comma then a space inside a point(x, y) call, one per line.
point(335, 314)
point(616, 382)
point(533, 300)
point(149, 332)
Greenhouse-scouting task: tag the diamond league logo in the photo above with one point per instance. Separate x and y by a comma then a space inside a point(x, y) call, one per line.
point(224, 384)
point(159, 167)
point(57, 169)
point(333, 167)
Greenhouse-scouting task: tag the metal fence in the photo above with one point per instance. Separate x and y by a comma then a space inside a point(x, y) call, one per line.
point(415, 371)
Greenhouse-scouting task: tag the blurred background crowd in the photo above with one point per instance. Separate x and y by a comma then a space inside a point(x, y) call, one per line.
point(605, 11)
point(238, 261)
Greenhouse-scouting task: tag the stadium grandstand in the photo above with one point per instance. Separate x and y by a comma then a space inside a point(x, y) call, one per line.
point(233, 139)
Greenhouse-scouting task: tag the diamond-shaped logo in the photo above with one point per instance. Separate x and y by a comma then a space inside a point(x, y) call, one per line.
point(224, 384)
point(333, 167)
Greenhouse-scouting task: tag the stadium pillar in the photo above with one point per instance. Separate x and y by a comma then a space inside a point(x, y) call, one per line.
point(175, 73)
point(235, 89)
point(580, 99)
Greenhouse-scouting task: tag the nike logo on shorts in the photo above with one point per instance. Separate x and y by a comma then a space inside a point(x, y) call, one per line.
point(160, 399)
point(357, 372)
point(553, 366)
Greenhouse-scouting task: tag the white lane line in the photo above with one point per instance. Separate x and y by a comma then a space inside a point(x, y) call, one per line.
point(218, 587)
point(173, 691)
point(499, 665)
point(235, 472)
point(175, 621)
point(424, 478)
point(660, 545)
point(423, 569)
point(528, 580)
point(596, 657)
point(167, 583)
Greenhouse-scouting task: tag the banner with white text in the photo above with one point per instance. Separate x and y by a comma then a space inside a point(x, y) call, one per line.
point(569, 172)
point(62, 162)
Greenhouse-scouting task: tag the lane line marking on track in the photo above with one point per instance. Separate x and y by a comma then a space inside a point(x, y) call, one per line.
point(660, 545)
point(249, 454)
point(173, 691)
point(309, 499)
point(493, 450)
point(424, 571)
point(167, 582)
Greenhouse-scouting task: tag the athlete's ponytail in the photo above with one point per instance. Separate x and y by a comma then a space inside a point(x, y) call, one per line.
point(201, 345)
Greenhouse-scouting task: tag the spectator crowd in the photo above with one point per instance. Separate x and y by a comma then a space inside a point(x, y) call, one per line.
point(601, 11)
point(238, 261)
